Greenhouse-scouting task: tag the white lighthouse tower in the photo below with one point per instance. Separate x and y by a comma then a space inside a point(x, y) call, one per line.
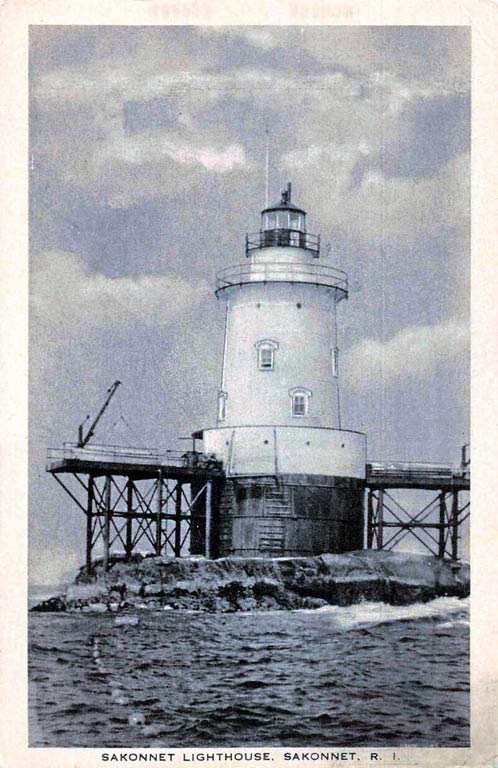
point(294, 479)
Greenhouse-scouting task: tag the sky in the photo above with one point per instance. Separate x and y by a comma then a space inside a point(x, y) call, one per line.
point(147, 168)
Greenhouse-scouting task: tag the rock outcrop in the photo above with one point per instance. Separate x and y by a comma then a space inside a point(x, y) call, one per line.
point(239, 584)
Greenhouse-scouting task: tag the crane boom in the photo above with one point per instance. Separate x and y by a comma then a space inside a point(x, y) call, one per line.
point(82, 441)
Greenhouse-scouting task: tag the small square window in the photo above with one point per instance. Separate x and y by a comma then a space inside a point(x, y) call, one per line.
point(266, 358)
point(266, 354)
point(299, 405)
point(300, 401)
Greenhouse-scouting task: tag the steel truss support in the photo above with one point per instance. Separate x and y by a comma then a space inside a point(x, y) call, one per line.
point(123, 512)
point(386, 514)
point(89, 523)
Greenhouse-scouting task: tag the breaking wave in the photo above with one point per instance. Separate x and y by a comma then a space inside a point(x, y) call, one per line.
point(371, 614)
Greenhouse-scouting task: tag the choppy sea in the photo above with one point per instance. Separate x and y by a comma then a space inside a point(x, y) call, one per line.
point(363, 675)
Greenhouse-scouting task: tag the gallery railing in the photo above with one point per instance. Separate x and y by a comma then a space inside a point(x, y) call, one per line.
point(285, 272)
point(290, 238)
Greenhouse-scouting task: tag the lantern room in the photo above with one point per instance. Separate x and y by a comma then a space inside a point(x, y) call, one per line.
point(283, 225)
point(284, 215)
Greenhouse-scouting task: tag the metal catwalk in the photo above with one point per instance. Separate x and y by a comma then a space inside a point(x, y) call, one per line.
point(169, 499)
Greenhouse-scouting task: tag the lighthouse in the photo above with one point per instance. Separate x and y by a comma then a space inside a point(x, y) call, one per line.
point(293, 477)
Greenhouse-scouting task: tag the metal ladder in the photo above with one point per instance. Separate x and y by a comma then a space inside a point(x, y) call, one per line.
point(278, 508)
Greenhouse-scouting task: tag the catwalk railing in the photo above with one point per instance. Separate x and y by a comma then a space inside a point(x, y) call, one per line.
point(122, 460)
point(413, 474)
point(115, 453)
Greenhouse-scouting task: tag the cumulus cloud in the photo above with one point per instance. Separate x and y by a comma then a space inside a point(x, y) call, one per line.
point(412, 353)
point(349, 117)
point(342, 121)
point(348, 190)
point(124, 81)
point(431, 54)
point(193, 89)
point(139, 149)
point(197, 88)
point(260, 37)
point(66, 300)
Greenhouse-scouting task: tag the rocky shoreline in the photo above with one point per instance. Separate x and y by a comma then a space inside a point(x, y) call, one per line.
point(238, 584)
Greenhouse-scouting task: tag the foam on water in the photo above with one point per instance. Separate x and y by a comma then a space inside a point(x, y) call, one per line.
point(371, 614)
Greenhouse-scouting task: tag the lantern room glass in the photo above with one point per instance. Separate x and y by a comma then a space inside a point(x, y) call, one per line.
point(296, 221)
point(283, 219)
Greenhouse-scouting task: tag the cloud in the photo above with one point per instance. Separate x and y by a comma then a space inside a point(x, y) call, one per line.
point(265, 38)
point(140, 149)
point(414, 352)
point(436, 55)
point(348, 190)
point(195, 88)
point(349, 119)
point(124, 81)
point(66, 301)
point(143, 116)
point(260, 37)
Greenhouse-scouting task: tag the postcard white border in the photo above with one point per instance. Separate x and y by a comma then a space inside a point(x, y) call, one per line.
point(15, 18)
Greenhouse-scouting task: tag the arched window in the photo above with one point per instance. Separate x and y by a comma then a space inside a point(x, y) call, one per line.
point(222, 406)
point(266, 354)
point(300, 401)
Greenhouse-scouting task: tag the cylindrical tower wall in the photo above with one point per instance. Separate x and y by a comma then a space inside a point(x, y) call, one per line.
point(279, 450)
point(297, 321)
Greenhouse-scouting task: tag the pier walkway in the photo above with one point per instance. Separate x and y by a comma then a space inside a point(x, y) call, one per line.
point(411, 474)
point(142, 463)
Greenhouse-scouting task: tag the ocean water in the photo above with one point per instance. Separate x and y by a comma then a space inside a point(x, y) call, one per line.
point(363, 675)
